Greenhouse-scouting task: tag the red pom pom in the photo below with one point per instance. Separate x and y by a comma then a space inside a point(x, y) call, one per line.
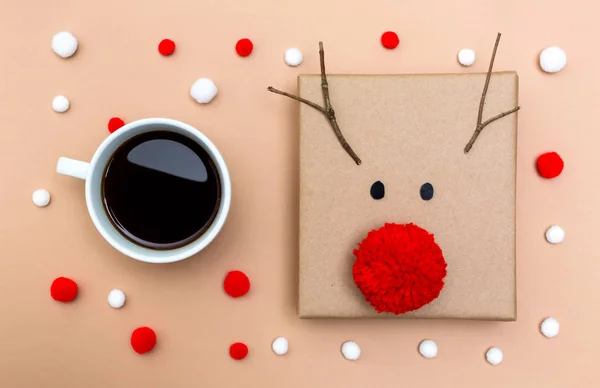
point(390, 40)
point(114, 124)
point(143, 340)
point(236, 284)
point(166, 47)
point(63, 289)
point(550, 165)
point(244, 47)
point(399, 268)
point(238, 351)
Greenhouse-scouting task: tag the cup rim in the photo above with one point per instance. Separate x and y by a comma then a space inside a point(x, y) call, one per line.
point(193, 247)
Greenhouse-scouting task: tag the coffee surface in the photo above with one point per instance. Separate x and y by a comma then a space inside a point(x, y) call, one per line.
point(161, 190)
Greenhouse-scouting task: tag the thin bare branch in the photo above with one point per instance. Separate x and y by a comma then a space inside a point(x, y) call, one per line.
point(487, 81)
point(327, 110)
point(481, 125)
point(300, 99)
point(499, 116)
point(484, 124)
point(324, 84)
point(342, 140)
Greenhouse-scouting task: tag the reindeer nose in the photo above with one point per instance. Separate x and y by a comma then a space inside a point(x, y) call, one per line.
point(399, 268)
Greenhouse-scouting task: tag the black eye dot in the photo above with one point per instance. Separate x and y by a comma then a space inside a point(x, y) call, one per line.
point(377, 190)
point(427, 191)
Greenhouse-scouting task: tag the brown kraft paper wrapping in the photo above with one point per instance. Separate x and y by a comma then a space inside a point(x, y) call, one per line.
point(409, 130)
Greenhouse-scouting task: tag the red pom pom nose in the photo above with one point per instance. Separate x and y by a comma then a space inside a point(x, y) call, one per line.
point(399, 268)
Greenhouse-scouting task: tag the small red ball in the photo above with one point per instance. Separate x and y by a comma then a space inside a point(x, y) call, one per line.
point(390, 40)
point(244, 47)
point(143, 340)
point(166, 47)
point(550, 165)
point(236, 284)
point(238, 351)
point(399, 268)
point(114, 124)
point(63, 289)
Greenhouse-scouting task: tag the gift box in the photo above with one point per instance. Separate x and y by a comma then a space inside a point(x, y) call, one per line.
point(410, 133)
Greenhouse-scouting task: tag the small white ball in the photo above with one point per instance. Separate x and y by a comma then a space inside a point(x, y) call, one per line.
point(466, 57)
point(293, 57)
point(555, 234)
point(60, 104)
point(350, 350)
point(428, 349)
point(41, 198)
point(494, 356)
point(203, 90)
point(550, 327)
point(116, 298)
point(553, 59)
point(64, 44)
point(280, 346)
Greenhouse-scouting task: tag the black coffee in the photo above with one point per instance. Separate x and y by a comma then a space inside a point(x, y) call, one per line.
point(161, 190)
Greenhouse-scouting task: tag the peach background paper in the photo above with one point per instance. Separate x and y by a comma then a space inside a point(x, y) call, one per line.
point(118, 72)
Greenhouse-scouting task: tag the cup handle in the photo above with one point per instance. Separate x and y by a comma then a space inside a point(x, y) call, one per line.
point(72, 167)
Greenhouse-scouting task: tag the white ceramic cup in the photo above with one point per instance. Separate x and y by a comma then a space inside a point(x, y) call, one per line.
point(93, 174)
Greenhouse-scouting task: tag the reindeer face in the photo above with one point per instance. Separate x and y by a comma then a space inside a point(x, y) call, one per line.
point(410, 132)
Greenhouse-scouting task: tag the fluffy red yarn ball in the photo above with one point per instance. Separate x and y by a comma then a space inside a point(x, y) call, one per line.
point(63, 289)
point(550, 165)
point(244, 47)
point(114, 124)
point(390, 40)
point(236, 284)
point(399, 268)
point(166, 47)
point(238, 351)
point(143, 340)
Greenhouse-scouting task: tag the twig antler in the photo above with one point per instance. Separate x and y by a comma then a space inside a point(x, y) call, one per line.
point(326, 110)
point(480, 124)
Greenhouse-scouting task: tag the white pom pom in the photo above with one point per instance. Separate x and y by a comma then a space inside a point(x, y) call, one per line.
point(116, 298)
point(553, 59)
point(64, 44)
point(203, 90)
point(293, 57)
point(60, 104)
point(550, 327)
point(428, 349)
point(466, 57)
point(280, 346)
point(350, 350)
point(494, 356)
point(41, 198)
point(555, 234)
